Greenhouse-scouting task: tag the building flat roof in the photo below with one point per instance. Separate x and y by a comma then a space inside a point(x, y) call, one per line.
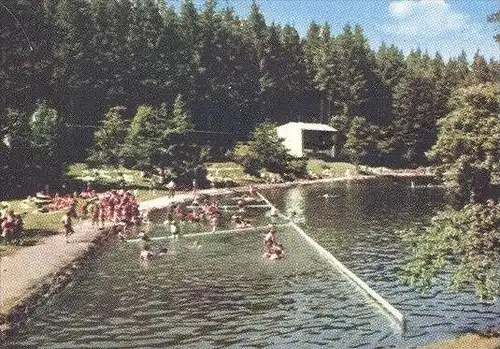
point(309, 126)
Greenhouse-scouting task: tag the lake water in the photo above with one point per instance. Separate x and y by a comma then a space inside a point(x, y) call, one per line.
point(218, 291)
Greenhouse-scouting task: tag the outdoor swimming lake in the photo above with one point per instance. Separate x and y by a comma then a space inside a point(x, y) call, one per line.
point(217, 291)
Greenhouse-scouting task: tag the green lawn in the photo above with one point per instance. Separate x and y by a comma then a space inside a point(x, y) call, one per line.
point(107, 176)
point(230, 171)
point(332, 169)
point(36, 224)
point(39, 224)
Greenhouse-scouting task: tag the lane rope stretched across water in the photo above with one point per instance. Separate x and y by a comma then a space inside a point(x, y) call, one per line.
point(384, 304)
point(227, 231)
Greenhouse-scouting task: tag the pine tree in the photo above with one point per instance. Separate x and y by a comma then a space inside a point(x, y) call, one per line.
point(72, 78)
point(240, 71)
point(296, 82)
point(390, 68)
point(170, 55)
point(458, 70)
point(111, 62)
point(326, 65)
point(46, 143)
point(361, 142)
point(357, 77)
point(189, 58)
point(256, 30)
point(140, 141)
point(481, 72)
point(311, 46)
point(109, 138)
point(158, 142)
point(26, 45)
point(414, 127)
point(146, 60)
point(442, 86)
point(272, 89)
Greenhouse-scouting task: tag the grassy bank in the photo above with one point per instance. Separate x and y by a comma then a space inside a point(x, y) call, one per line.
point(38, 224)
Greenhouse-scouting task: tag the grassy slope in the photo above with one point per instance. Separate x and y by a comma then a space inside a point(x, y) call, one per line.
point(333, 169)
point(41, 224)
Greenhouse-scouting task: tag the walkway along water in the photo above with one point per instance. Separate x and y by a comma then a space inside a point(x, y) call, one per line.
point(35, 272)
point(384, 304)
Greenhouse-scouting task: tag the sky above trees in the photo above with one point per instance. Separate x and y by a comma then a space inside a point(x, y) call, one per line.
point(433, 25)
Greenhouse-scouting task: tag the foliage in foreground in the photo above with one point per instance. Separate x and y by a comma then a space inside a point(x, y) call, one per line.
point(467, 150)
point(265, 150)
point(461, 245)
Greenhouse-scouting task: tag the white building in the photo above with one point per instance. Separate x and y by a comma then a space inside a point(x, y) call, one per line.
point(303, 139)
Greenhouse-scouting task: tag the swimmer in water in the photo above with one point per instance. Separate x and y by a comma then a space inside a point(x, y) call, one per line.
point(275, 253)
point(163, 252)
point(174, 230)
point(270, 237)
point(143, 236)
point(241, 205)
point(273, 212)
point(214, 221)
point(270, 240)
point(146, 254)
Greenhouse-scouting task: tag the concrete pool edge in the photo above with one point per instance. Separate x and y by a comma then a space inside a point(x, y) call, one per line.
point(27, 299)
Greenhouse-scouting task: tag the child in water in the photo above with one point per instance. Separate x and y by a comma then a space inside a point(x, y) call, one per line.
point(174, 230)
point(274, 250)
point(146, 254)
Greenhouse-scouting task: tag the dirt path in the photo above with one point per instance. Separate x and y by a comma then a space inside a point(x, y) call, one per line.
point(23, 271)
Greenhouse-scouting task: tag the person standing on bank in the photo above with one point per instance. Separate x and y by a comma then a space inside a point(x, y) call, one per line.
point(171, 189)
point(195, 187)
point(68, 225)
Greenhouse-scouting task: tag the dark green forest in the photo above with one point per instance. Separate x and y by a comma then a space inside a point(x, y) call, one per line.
point(66, 64)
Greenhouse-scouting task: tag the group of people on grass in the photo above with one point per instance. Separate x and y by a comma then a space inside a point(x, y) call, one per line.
point(117, 206)
point(12, 226)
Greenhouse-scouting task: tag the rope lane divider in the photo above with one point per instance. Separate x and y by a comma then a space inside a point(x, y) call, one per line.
point(385, 305)
point(227, 231)
point(232, 206)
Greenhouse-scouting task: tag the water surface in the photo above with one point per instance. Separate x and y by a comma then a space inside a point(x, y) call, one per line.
point(218, 291)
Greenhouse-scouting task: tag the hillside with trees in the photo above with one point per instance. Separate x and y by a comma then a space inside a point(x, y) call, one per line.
point(78, 76)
